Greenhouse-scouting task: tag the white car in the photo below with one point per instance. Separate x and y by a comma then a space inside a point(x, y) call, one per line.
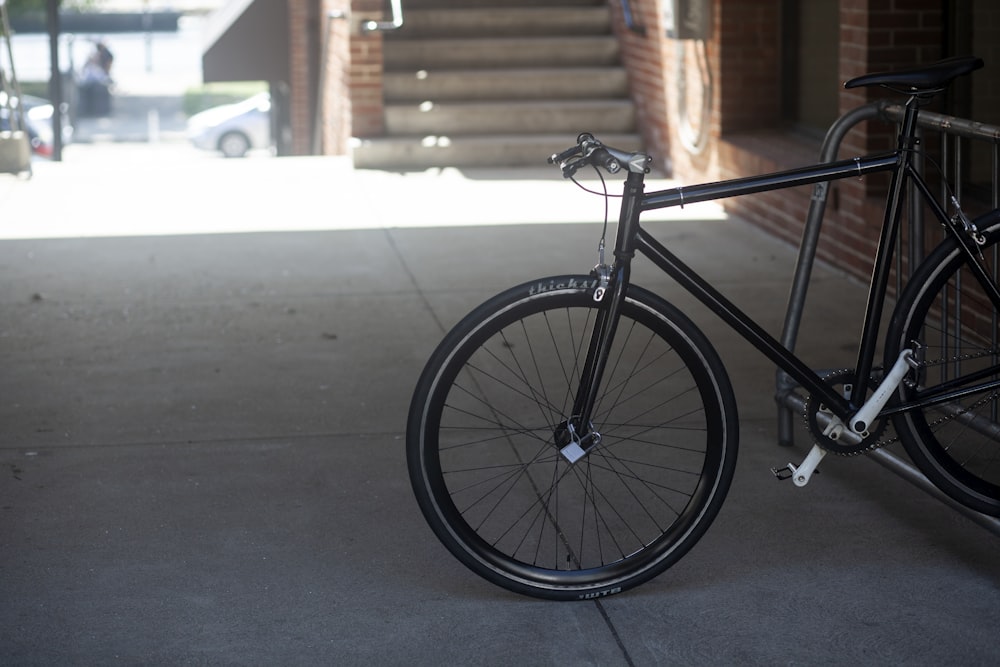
point(233, 129)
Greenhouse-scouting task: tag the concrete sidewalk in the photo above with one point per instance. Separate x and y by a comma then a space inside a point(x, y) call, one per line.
point(206, 371)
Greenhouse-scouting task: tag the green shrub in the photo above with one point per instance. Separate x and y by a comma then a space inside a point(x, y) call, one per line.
point(215, 94)
point(35, 88)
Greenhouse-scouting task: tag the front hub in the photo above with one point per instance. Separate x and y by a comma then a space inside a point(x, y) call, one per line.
point(575, 443)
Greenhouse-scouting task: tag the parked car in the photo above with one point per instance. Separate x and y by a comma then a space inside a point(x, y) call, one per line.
point(233, 129)
point(37, 120)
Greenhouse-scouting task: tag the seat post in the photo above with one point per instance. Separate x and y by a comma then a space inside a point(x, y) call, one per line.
point(908, 127)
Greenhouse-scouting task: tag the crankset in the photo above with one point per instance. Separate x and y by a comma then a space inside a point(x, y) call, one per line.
point(843, 442)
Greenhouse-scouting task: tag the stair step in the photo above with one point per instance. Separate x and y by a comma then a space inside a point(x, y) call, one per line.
point(521, 117)
point(472, 151)
point(511, 84)
point(503, 21)
point(499, 83)
point(503, 52)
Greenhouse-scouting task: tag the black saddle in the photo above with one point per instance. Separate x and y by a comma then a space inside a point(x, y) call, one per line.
point(924, 79)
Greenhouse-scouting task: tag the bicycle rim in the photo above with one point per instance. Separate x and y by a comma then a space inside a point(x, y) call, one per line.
point(490, 416)
point(956, 443)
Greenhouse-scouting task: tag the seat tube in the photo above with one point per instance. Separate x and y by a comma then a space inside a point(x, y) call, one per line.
point(886, 246)
point(610, 311)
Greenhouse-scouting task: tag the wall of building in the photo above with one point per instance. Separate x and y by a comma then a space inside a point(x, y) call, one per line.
point(746, 125)
point(300, 99)
point(337, 61)
point(985, 34)
point(366, 71)
point(327, 45)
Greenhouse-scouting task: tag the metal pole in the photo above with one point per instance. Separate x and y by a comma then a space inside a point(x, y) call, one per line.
point(807, 255)
point(55, 83)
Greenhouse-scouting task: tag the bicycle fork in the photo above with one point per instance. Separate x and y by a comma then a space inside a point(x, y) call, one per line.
point(579, 436)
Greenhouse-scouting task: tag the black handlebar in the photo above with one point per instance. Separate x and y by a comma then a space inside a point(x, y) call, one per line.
point(565, 155)
point(590, 151)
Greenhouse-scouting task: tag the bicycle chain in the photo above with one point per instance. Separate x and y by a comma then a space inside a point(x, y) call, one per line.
point(862, 450)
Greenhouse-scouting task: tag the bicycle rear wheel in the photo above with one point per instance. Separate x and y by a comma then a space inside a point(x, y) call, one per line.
point(489, 415)
point(945, 309)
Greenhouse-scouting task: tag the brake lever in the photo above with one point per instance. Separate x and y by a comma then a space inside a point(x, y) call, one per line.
point(569, 169)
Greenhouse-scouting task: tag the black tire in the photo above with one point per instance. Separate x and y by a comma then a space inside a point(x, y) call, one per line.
point(234, 144)
point(944, 308)
point(489, 476)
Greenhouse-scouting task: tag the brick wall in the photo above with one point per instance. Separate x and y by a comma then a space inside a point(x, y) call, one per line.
point(366, 73)
point(876, 35)
point(747, 134)
point(335, 112)
point(655, 66)
point(984, 36)
point(302, 16)
point(645, 56)
point(327, 43)
point(749, 53)
point(985, 33)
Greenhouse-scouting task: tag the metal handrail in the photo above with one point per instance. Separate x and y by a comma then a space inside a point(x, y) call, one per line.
point(967, 129)
point(789, 401)
point(371, 25)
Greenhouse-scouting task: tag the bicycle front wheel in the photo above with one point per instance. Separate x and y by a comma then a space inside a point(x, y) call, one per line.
point(947, 312)
point(490, 414)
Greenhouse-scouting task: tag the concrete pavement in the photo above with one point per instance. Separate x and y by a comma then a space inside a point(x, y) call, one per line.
point(206, 370)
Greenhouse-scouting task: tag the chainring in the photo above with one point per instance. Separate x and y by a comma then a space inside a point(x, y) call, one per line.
point(818, 417)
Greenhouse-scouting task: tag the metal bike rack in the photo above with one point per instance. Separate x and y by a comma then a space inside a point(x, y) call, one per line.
point(790, 402)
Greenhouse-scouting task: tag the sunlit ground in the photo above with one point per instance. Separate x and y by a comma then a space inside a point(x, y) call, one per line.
point(170, 188)
point(131, 189)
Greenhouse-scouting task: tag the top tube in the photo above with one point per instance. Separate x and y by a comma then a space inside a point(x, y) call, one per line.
point(857, 167)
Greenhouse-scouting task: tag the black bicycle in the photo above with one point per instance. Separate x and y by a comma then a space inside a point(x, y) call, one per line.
point(574, 436)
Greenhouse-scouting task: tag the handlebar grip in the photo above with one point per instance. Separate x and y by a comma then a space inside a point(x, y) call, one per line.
point(565, 155)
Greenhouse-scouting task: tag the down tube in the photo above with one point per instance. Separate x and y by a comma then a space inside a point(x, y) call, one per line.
point(740, 322)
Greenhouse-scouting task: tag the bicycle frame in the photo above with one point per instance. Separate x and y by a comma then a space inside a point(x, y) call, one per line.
point(632, 238)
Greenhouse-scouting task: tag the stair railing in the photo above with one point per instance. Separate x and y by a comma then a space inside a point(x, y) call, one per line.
point(396, 8)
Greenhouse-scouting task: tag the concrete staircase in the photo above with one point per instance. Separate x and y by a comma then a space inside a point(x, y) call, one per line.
point(498, 83)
